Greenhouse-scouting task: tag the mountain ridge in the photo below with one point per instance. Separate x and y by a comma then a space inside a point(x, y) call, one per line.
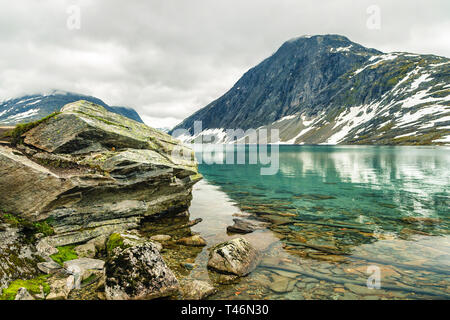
point(323, 83)
point(32, 107)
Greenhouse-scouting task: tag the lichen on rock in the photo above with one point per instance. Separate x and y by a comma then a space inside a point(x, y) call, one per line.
point(138, 273)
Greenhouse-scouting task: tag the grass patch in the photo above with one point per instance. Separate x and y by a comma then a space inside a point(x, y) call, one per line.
point(92, 278)
point(114, 241)
point(33, 286)
point(65, 253)
point(20, 129)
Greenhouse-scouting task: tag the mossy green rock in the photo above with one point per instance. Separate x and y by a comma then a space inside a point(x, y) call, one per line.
point(34, 286)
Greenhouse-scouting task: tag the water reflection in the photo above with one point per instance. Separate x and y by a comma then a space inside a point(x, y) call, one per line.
point(338, 209)
point(407, 181)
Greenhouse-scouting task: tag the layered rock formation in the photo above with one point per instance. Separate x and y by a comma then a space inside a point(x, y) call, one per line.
point(88, 172)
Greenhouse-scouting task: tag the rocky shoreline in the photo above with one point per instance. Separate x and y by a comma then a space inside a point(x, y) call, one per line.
point(75, 188)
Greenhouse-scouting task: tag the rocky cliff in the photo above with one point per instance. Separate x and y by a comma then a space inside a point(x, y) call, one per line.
point(87, 172)
point(327, 89)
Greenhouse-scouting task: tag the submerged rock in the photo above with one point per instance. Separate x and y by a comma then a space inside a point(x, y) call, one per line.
point(197, 290)
point(194, 241)
point(139, 273)
point(236, 257)
point(160, 237)
point(244, 226)
point(92, 172)
point(421, 220)
point(281, 284)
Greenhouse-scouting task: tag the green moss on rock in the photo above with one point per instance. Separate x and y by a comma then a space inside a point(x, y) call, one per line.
point(65, 253)
point(34, 286)
point(114, 241)
point(29, 228)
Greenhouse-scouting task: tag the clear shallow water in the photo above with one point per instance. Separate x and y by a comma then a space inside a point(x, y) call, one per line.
point(382, 206)
point(333, 212)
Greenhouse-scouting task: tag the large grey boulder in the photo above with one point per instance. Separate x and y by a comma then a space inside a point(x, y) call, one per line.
point(139, 273)
point(92, 172)
point(236, 257)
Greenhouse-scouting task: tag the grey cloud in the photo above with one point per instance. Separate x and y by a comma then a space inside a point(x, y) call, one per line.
point(167, 59)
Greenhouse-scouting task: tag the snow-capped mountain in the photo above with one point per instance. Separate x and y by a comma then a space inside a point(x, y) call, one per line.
point(327, 89)
point(36, 106)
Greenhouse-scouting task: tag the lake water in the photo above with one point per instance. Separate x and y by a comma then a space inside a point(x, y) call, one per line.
point(338, 218)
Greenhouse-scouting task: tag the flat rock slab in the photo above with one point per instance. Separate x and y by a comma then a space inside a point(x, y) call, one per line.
point(84, 264)
point(49, 267)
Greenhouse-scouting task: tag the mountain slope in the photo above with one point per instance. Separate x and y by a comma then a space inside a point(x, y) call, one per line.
point(327, 89)
point(32, 107)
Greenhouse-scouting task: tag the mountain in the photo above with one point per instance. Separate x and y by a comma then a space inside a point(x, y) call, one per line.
point(33, 107)
point(326, 89)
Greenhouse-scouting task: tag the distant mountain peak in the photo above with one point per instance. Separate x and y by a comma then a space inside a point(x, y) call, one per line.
point(328, 89)
point(35, 106)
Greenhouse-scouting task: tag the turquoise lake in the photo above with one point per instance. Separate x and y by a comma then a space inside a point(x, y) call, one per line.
point(333, 213)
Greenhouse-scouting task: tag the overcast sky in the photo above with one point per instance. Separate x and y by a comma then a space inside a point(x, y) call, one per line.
point(169, 58)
